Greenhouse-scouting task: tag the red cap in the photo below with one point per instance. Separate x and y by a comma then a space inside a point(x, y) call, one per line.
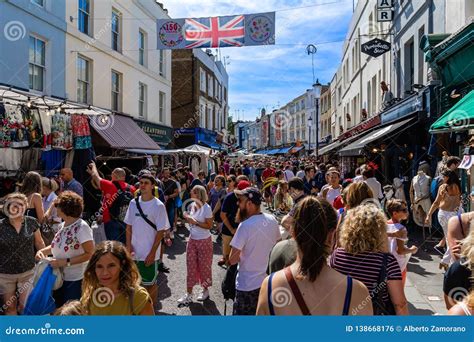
point(243, 185)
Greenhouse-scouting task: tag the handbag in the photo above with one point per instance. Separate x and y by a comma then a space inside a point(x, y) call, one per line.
point(379, 305)
point(228, 284)
point(41, 267)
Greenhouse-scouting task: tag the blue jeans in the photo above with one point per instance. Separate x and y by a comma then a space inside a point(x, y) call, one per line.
point(115, 231)
point(71, 290)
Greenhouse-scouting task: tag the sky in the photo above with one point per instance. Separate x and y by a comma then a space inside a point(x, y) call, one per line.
point(272, 75)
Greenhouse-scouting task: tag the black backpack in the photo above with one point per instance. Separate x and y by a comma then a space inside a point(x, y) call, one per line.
point(119, 207)
point(379, 305)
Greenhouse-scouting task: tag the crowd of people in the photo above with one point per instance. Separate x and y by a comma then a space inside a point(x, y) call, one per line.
point(294, 227)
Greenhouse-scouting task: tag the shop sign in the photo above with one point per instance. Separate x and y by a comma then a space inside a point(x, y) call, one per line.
point(362, 127)
point(376, 47)
point(160, 134)
point(384, 10)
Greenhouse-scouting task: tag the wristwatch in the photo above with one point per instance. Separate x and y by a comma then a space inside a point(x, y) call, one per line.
point(68, 262)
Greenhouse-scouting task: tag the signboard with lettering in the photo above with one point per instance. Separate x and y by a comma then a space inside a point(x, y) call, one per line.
point(384, 4)
point(385, 14)
point(163, 135)
point(375, 47)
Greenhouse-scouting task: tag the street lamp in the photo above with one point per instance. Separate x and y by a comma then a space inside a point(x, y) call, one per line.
point(310, 123)
point(317, 90)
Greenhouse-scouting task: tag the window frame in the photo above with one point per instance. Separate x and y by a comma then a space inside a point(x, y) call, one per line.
point(34, 65)
point(83, 13)
point(142, 43)
point(87, 82)
point(142, 100)
point(117, 34)
point(117, 92)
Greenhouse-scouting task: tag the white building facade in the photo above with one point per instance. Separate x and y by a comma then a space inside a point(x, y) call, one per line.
point(112, 60)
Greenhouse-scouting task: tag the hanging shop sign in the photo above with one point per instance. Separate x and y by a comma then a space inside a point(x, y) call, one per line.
point(163, 135)
point(215, 32)
point(375, 47)
point(384, 10)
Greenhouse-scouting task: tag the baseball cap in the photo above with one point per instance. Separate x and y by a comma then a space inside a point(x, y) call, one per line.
point(243, 184)
point(253, 194)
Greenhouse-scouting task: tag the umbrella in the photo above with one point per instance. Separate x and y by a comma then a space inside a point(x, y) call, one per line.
point(40, 301)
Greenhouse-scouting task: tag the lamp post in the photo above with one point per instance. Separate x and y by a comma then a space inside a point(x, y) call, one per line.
point(310, 123)
point(317, 90)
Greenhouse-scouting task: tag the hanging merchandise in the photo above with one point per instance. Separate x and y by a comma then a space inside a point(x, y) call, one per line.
point(10, 160)
point(62, 131)
point(31, 159)
point(32, 122)
point(81, 159)
point(81, 132)
point(13, 128)
point(52, 162)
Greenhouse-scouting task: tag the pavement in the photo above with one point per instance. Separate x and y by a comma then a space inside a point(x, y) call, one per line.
point(423, 287)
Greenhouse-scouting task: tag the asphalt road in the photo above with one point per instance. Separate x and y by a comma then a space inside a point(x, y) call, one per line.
point(172, 286)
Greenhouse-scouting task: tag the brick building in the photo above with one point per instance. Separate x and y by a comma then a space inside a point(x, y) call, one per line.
point(199, 105)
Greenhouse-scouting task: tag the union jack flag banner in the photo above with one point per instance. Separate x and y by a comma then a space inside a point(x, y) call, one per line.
point(216, 32)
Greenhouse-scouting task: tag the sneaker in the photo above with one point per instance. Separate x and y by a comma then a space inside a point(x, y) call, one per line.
point(186, 299)
point(203, 295)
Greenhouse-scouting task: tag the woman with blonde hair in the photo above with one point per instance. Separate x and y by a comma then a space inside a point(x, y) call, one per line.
point(199, 250)
point(31, 187)
point(459, 278)
point(282, 200)
point(111, 284)
point(363, 254)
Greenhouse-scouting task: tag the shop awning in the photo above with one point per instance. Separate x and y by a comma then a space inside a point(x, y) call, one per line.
point(296, 149)
point(284, 150)
point(356, 148)
point(459, 118)
point(121, 132)
point(274, 151)
point(330, 147)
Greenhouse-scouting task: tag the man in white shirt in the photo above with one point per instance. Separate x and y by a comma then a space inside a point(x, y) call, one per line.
point(288, 173)
point(251, 247)
point(373, 183)
point(146, 221)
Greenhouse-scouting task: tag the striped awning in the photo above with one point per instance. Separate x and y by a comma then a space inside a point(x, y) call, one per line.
point(121, 132)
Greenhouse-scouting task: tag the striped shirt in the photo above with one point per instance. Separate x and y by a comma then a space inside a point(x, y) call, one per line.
point(365, 267)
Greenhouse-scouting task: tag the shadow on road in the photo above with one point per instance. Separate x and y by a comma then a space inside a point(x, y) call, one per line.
point(419, 312)
point(206, 308)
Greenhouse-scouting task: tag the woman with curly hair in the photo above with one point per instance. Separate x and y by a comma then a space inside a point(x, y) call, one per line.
point(363, 255)
point(111, 283)
point(282, 200)
point(71, 248)
point(308, 277)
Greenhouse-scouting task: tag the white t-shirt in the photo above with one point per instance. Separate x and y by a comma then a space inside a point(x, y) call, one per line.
point(200, 215)
point(143, 235)
point(392, 245)
point(375, 186)
point(67, 243)
point(289, 175)
point(255, 238)
point(332, 194)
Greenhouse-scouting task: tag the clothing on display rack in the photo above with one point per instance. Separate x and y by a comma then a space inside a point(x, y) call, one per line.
point(420, 191)
point(11, 159)
point(31, 159)
point(81, 132)
point(33, 128)
point(69, 159)
point(13, 132)
point(52, 162)
point(81, 159)
point(62, 131)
